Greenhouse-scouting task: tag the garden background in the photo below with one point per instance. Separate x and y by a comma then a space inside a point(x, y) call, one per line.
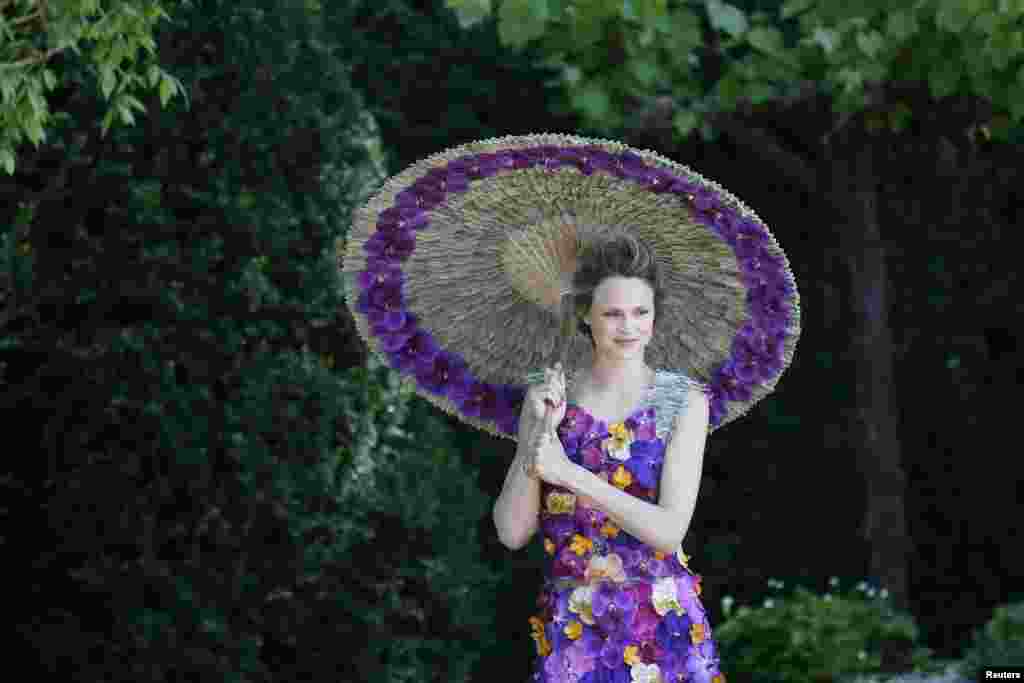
point(208, 478)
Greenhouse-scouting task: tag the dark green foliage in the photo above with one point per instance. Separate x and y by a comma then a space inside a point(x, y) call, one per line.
point(214, 496)
point(432, 85)
point(999, 643)
point(801, 636)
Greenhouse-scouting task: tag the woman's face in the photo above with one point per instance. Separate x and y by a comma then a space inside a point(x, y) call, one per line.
point(623, 308)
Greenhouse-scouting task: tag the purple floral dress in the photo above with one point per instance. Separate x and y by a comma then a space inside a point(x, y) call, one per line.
point(613, 609)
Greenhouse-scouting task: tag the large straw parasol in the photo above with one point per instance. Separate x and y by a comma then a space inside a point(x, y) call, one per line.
point(459, 273)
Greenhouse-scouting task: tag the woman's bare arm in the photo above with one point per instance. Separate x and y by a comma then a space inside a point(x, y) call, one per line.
point(518, 506)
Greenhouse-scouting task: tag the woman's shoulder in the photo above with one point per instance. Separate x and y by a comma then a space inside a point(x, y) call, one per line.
point(674, 394)
point(677, 381)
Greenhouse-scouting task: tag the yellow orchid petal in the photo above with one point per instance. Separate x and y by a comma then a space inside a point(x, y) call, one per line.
point(581, 544)
point(561, 503)
point(622, 478)
point(573, 629)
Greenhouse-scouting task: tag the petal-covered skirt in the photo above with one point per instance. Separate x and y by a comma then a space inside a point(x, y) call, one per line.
point(649, 630)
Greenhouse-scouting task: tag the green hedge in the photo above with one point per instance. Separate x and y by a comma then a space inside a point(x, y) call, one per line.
point(228, 493)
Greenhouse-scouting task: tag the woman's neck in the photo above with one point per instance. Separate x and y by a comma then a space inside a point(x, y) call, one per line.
point(609, 375)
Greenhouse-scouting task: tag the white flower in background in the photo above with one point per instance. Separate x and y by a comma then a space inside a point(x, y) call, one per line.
point(727, 603)
point(769, 603)
point(834, 581)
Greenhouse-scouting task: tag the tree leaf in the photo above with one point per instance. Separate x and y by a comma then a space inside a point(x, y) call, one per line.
point(870, 43)
point(827, 38)
point(166, 90)
point(684, 122)
point(952, 15)
point(126, 113)
point(685, 34)
point(726, 17)
point(944, 78)
point(520, 21)
point(133, 102)
point(901, 25)
point(107, 80)
point(593, 100)
point(729, 89)
point(766, 39)
point(644, 71)
point(469, 12)
point(791, 8)
point(7, 159)
point(850, 79)
point(35, 131)
point(108, 119)
point(650, 11)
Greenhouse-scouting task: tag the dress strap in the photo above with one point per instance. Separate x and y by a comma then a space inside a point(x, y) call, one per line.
point(671, 398)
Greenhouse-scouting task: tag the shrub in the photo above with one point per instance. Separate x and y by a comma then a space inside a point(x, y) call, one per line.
point(802, 636)
point(1000, 642)
point(213, 495)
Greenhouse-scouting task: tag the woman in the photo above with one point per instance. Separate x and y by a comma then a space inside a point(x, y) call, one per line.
point(608, 469)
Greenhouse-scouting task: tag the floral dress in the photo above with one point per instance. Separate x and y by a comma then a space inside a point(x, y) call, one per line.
point(612, 609)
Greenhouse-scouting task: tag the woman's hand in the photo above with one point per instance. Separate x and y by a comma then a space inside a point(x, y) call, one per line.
point(550, 392)
point(549, 461)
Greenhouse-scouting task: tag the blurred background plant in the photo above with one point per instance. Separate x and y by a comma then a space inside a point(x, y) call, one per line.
point(1000, 642)
point(799, 636)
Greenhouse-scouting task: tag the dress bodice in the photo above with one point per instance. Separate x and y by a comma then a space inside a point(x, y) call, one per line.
point(579, 539)
point(668, 396)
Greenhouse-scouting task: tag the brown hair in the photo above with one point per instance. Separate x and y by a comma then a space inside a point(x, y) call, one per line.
point(621, 255)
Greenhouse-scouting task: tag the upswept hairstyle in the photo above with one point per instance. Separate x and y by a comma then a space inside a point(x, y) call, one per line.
point(622, 255)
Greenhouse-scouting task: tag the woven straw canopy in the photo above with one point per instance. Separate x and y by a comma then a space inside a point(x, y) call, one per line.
point(459, 273)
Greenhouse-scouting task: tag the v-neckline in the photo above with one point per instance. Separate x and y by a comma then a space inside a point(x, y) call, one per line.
point(642, 404)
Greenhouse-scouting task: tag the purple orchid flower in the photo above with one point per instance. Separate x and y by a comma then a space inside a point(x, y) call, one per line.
point(644, 462)
point(613, 607)
point(673, 633)
point(402, 218)
point(419, 347)
point(392, 340)
point(391, 245)
point(702, 662)
point(560, 528)
point(437, 374)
